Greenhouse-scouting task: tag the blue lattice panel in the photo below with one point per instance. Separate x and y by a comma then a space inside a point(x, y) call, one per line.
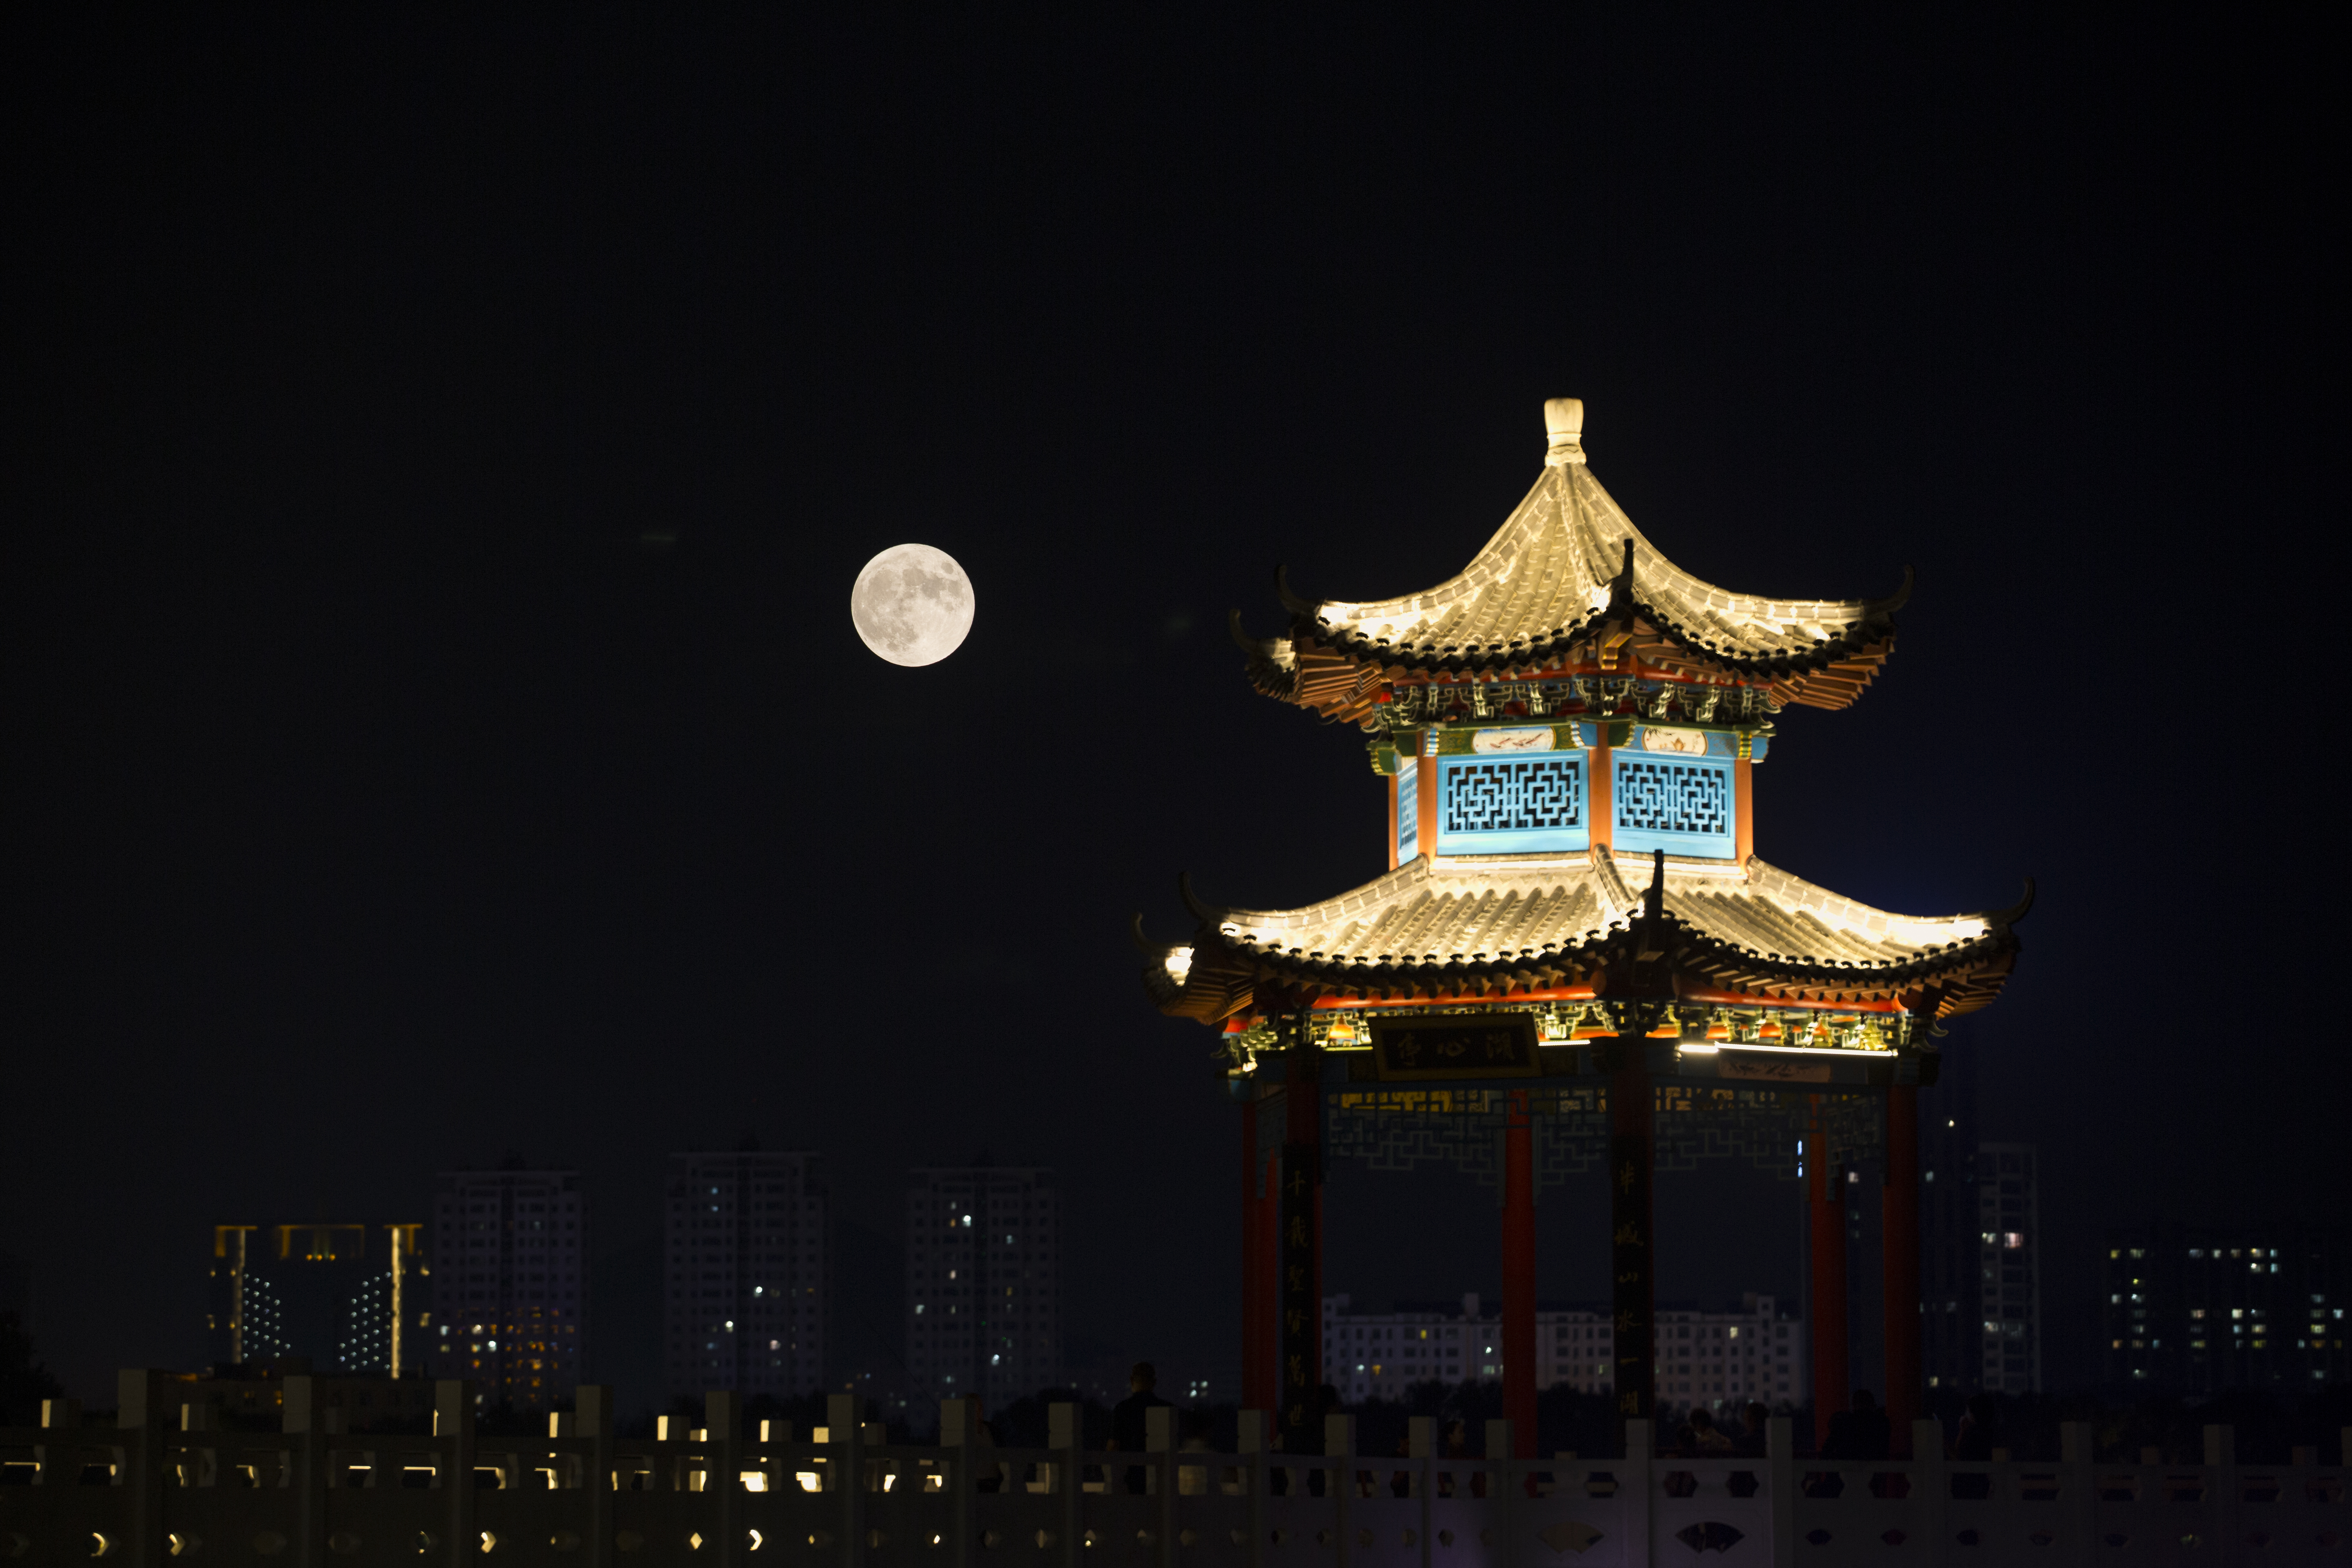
point(1680, 805)
point(1506, 805)
point(1408, 810)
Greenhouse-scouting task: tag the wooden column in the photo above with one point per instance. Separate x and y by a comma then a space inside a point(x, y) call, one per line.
point(1631, 1231)
point(1253, 1323)
point(1603, 823)
point(1395, 786)
point(1269, 1283)
point(1899, 1277)
point(1425, 823)
point(1520, 1277)
point(1301, 1216)
point(1827, 1225)
point(1743, 806)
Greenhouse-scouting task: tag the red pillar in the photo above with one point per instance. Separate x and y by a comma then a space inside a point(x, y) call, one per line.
point(1269, 1278)
point(1827, 1227)
point(1520, 1278)
point(1253, 1327)
point(1300, 1216)
point(1900, 1280)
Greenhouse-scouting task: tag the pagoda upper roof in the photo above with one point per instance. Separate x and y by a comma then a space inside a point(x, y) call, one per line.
point(1491, 925)
point(1569, 581)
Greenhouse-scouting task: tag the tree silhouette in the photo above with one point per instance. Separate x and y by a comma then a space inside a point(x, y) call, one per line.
point(24, 1382)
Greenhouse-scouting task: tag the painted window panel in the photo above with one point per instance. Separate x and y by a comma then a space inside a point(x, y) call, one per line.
point(1408, 811)
point(1511, 805)
point(1680, 805)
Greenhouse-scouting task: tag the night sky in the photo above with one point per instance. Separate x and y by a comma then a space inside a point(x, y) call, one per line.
point(439, 452)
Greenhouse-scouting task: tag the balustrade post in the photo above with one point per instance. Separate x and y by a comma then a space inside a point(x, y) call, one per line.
point(722, 1434)
point(1250, 1444)
point(1634, 1491)
point(50, 1461)
point(453, 1467)
point(592, 1405)
point(2221, 1486)
point(302, 1417)
point(959, 1443)
point(1931, 1490)
point(2080, 1493)
point(846, 1438)
point(1066, 1436)
point(1780, 1453)
point(1340, 1443)
point(1502, 1511)
point(1421, 1447)
point(138, 1416)
point(201, 1459)
point(1160, 1442)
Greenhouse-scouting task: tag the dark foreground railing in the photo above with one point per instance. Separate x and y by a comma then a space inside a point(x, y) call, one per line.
point(159, 1484)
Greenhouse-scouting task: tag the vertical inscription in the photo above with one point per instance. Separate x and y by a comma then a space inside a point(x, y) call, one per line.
point(1300, 1367)
point(1633, 1264)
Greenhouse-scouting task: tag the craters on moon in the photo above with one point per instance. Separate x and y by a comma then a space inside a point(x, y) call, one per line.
point(912, 605)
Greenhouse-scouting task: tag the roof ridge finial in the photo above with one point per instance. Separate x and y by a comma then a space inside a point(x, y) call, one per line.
point(1564, 420)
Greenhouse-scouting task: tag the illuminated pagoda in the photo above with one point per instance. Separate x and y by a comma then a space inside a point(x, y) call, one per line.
point(1575, 953)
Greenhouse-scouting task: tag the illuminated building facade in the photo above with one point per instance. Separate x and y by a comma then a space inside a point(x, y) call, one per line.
point(1575, 948)
point(746, 1273)
point(1720, 1360)
point(2196, 1310)
point(2009, 1256)
point(510, 1284)
point(984, 1282)
point(349, 1299)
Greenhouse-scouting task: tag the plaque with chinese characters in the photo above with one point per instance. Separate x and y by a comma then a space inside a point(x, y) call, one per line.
point(1468, 1044)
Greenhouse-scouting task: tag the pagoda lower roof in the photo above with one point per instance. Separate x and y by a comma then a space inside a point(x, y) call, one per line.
point(1569, 582)
point(1490, 926)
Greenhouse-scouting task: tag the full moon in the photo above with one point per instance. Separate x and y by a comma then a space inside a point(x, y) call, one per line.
point(912, 605)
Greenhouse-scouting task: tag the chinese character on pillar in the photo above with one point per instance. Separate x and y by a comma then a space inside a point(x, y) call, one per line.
point(1302, 1313)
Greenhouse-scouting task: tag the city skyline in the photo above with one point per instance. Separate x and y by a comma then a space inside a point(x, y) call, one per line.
point(761, 1237)
point(448, 448)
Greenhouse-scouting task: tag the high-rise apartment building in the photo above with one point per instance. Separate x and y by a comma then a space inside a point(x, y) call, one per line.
point(1951, 1295)
point(984, 1282)
point(2194, 1309)
point(747, 1273)
point(2009, 1260)
point(510, 1284)
point(351, 1298)
point(1721, 1360)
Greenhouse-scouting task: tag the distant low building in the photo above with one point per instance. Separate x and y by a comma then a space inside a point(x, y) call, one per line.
point(351, 1298)
point(1717, 1359)
point(2195, 1309)
point(510, 1285)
